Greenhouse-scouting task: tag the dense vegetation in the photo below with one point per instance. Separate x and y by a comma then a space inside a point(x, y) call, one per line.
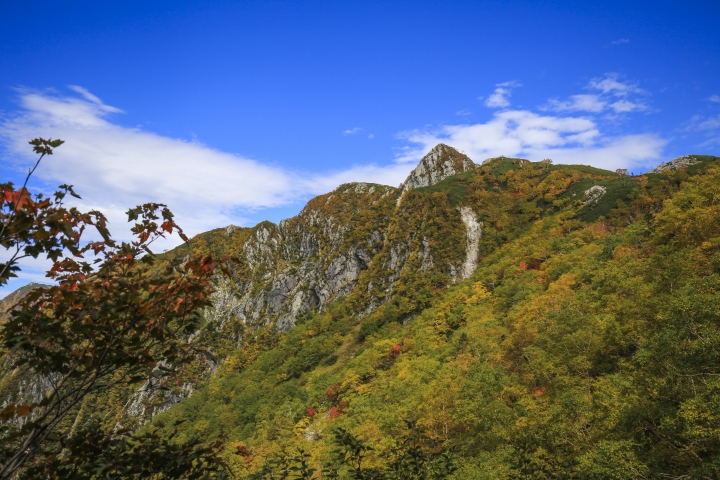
point(585, 345)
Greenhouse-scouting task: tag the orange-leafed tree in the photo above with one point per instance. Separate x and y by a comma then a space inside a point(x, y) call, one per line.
point(114, 315)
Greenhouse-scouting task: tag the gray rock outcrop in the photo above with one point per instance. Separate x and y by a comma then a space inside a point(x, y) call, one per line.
point(441, 162)
point(675, 163)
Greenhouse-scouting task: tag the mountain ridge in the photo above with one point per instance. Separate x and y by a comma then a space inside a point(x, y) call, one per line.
point(499, 289)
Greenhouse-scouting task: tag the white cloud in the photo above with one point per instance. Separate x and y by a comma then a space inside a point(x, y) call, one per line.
point(115, 167)
point(709, 127)
point(87, 95)
point(510, 84)
point(577, 103)
point(611, 85)
point(610, 89)
point(620, 41)
point(393, 174)
point(714, 98)
point(625, 106)
point(700, 123)
point(499, 98)
point(353, 131)
point(712, 123)
point(527, 134)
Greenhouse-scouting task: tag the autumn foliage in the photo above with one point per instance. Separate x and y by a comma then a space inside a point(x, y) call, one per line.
point(582, 346)
point(114, 316)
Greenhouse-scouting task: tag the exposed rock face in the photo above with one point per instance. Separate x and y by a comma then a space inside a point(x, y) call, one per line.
point(315, 258)
point(321, 255)
point(473, 233)
point(674, 164)
point(594, 194)
point(441, 162)
point(154, 398)
point(17, 384)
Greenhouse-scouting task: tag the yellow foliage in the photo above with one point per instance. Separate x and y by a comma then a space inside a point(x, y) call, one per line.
point(480, 293)
point(623, 251)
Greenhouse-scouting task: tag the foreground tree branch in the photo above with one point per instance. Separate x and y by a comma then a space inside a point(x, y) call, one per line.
point(120, 314)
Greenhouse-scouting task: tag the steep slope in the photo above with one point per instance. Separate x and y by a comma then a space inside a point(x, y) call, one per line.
point(549, 358)
point(532, 319)
point(319, 256)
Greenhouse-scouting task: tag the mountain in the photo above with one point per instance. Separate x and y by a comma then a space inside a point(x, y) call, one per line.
point(7, 302)
point(441, 162)
point(309, 261)
point(527, 319)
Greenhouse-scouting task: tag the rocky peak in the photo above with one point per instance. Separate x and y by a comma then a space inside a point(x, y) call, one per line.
point(441, 162)
point(675, 163)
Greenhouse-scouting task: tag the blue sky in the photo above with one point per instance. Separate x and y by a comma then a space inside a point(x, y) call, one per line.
point(235, 112)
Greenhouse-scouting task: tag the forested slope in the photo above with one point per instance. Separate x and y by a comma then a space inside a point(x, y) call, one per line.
point(584, 344)
point(505, 320)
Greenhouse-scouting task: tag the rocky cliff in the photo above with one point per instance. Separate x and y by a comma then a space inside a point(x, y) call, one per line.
point(319, 256)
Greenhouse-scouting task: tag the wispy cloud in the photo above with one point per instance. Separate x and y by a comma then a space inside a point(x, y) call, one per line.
point(620, 41)
point(530, 135)
point(115, 167)
point(708, 127)
point(499, 97)
point(85, 93)
point(612, 84)
point(577, 103)
point(625, 106)
point(714, 98)
point(611, 94)
point(700, 123)
point(352, 131)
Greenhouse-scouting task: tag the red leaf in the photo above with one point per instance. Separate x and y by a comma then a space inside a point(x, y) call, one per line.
point(22, 410)
point(20, 198)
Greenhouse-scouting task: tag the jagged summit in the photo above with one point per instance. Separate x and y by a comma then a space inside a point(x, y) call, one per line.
point(441, 162)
